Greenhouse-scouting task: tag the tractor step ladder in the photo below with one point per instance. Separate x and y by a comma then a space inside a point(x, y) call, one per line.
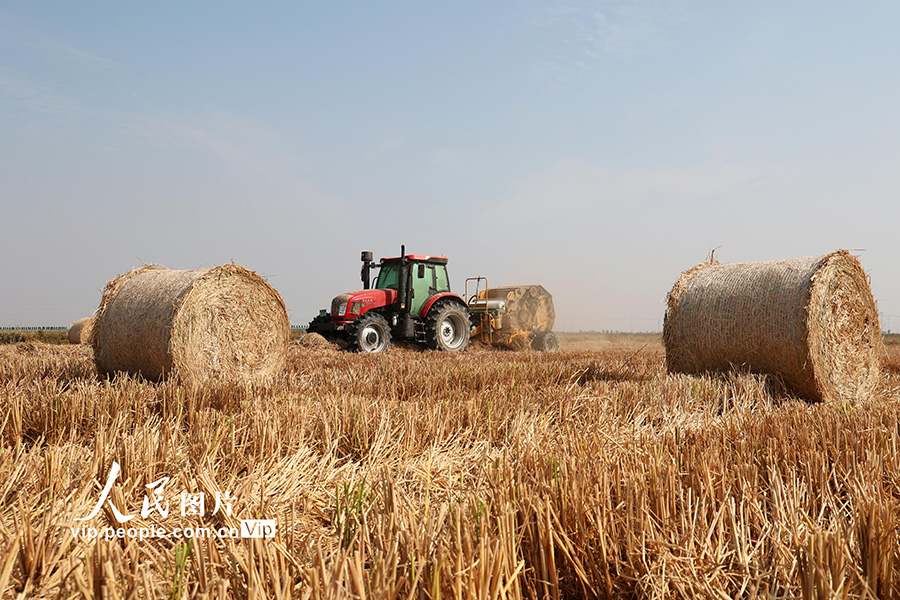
point(419, 331)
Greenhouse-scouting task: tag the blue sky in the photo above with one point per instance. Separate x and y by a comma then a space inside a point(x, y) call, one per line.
point(597, 148)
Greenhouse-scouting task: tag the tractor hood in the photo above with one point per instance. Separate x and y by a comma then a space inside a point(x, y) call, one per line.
point(353, 304)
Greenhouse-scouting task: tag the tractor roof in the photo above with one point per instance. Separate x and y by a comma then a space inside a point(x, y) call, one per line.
point(437, 260)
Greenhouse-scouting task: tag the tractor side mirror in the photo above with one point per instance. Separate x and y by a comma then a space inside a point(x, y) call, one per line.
point(420, 273)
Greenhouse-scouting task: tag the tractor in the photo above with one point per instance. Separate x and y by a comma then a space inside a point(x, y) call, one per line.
point(411, 300)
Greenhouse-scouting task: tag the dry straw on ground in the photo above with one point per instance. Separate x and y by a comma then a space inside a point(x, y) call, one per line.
point(811, 322)
point(80, 331)
point(206, 325)
point(492, 475)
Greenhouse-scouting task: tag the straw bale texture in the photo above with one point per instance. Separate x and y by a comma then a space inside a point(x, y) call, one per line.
point(314, 341)
point(222, 324)
point(812, 322)
point(80, 331)
point(529, 308)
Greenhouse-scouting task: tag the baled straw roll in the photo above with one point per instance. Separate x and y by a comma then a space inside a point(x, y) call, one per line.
point(810, 321)
point(80, 331)
point(222, 324)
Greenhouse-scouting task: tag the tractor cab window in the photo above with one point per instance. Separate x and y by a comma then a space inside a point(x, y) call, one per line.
point(422, 286)
point(387, 277)
point(442, 282)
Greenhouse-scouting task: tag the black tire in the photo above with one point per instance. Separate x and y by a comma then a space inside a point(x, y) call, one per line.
point(321, 324)
point(447, 327)
point(316, 325)
point(546, 342)
point(370, 333)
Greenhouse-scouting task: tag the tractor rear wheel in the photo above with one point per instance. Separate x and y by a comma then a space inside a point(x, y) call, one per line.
point(545, 342)
point(370, 333)
point(447, 327)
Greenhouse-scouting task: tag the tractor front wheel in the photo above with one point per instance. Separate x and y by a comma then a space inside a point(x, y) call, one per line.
point(447, 327)
point(317, 325)
point(370, 333)
point(321, 324)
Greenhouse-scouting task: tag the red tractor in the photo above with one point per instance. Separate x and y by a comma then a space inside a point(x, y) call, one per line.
point(411, 300)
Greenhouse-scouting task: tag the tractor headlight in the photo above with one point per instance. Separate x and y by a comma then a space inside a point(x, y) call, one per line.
point(339, 305)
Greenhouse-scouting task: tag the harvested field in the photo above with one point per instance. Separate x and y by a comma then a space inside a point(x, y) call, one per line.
point(40, 335)
point(577, 474)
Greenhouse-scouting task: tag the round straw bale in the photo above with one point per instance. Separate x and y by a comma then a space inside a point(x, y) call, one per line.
point(812, 322)
point(80, 330)
point(313, 341)
point(222, 324)
point(528, 308)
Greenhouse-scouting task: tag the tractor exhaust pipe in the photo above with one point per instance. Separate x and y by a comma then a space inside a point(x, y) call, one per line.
point(401, 283)
point(366, 273)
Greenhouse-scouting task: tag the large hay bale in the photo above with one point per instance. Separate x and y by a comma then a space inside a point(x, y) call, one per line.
point(811, 322)
point(527, 308)
point(223, 324)
point(80, 331)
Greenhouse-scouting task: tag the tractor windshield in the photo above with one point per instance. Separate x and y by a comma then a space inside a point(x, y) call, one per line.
point(387, 277)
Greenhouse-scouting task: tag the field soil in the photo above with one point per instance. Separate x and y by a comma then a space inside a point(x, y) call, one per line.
point(584, 473)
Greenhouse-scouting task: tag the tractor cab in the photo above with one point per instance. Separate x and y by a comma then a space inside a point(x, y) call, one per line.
point(426, 278)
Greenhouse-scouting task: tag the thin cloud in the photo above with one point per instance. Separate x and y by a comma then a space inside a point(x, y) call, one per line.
point(32, 94)
point(632, 28)
point(574, 187)
point(586, 33)
point(236, 142)
point(14, 32)
point(76, 55)
point(252, 153)
point(389, 145)
point(38, 97)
